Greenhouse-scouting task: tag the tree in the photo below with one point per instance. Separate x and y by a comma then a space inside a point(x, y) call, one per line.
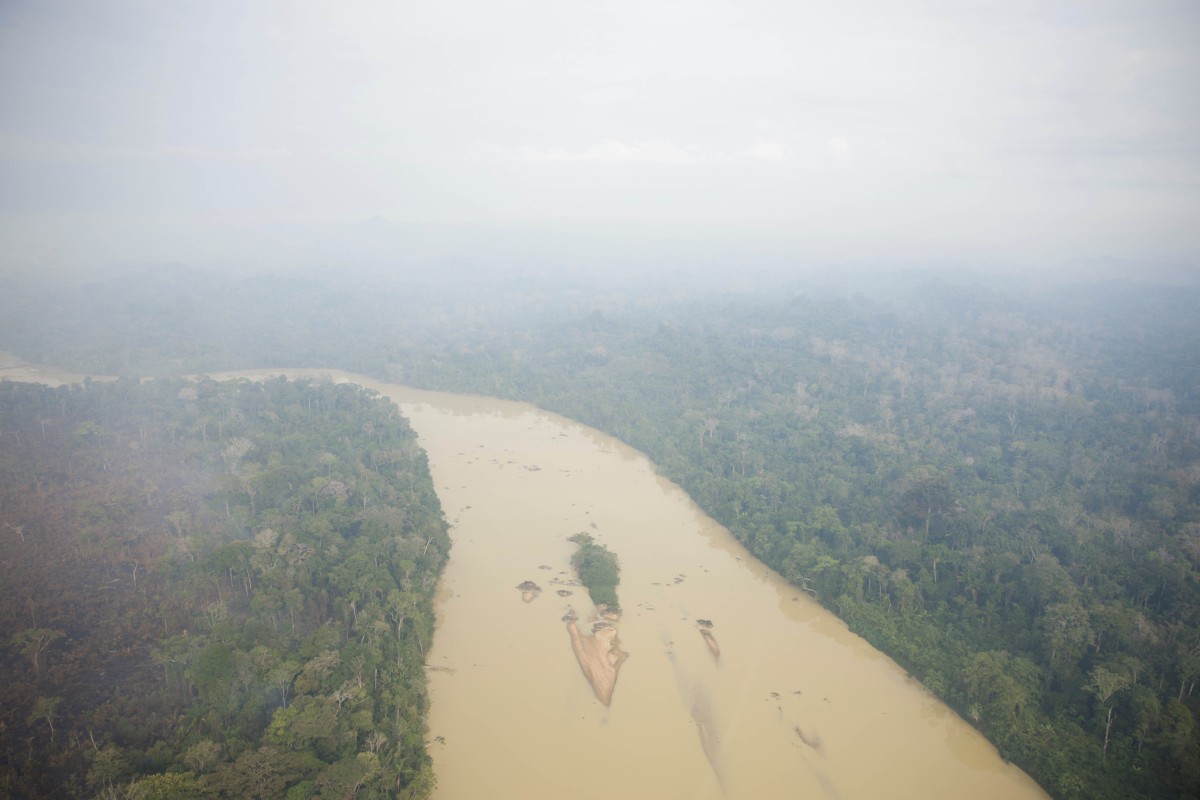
point(109, 766)
point(598, 570)
point(235, 451)
point(262, 774)
point(166, 786)
point(1178, 738)
point(347, 776)
point(929, 498)
point(281, 677)
point(1147, 711)
point(1104, 684)
point(44, 708)
point(34, 641)
point(202, 756)
point(906, 593)
point(399, 606)
point(1067, 631)
point(999, 687)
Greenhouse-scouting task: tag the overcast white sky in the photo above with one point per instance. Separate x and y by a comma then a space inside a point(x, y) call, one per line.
point(1029, 132)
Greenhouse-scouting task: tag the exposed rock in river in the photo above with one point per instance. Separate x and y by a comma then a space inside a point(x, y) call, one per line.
point(529, 591)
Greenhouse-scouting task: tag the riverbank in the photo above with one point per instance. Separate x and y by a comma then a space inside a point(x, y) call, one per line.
point(15, 368)
point(786, 664)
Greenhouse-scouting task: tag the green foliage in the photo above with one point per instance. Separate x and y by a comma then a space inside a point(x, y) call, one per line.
point(998, 690)
point(32, 642)
point(261, 774)
point(166, 786)
point(266, 556)
point(599, 570)
point(44, 709)
point(212, 671)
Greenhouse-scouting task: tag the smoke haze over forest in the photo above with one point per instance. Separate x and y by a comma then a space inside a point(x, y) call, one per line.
point(1060, 137)
point(900, 293)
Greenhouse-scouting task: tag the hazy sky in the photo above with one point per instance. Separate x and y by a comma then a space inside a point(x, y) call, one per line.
point(1026, 132)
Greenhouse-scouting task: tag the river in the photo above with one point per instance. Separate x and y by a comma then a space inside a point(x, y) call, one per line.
point(794, 705)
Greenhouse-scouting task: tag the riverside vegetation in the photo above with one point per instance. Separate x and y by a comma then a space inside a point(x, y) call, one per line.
point(999, 489)
point(213, 590)
point(598, 570)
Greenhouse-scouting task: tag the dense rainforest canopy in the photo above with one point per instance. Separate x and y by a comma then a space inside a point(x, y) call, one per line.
point(999, 488)
point(213, 590)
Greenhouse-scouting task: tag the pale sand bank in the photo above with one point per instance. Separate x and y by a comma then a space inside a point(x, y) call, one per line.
point(599, 654)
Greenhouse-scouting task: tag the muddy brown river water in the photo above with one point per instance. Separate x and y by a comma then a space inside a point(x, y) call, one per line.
point(794, 705)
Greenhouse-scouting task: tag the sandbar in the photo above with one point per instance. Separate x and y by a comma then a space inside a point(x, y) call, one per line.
point(600, 656)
